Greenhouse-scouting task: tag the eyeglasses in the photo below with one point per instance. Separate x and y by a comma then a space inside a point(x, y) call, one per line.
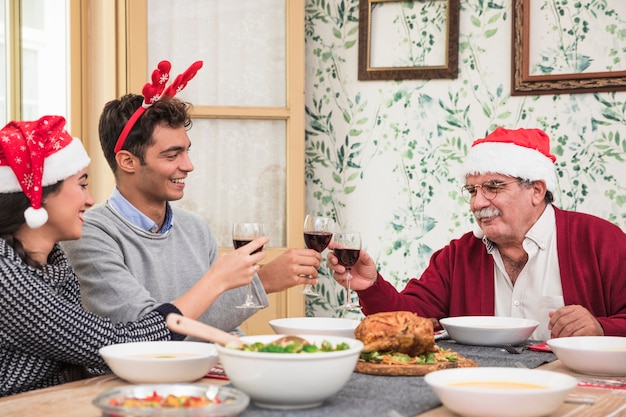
point(490, 189)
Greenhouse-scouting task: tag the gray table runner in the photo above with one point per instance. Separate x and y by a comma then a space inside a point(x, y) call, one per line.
point(376, 396)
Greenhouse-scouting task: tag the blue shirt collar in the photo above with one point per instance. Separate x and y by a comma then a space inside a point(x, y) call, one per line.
point(130, 212)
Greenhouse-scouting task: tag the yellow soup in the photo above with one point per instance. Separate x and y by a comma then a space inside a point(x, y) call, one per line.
point(498, 385)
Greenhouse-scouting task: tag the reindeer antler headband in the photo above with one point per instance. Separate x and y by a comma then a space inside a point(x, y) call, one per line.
point(155, 90)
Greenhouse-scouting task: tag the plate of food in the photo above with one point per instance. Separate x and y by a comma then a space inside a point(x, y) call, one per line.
point(401, 343)
point(290, 372)
point(172, 400)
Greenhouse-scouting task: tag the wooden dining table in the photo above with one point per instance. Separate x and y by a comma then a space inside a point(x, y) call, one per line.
point(75, 400)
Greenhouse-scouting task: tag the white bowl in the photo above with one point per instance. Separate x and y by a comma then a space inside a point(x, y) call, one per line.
point(596, 355)
point(329, 326)
point(290, 380)
point(489, 330)
point(500, 392)
point(232, 401)
point(160, 361)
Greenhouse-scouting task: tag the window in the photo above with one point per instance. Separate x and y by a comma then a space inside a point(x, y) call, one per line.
point(240, 164)
point(34, 59)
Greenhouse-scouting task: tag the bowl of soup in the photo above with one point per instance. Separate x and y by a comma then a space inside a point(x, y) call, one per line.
point(329, 326)
point(160, 361)
point(290, 377)
point(489, 330)
point(594, 355)
point(500, 392)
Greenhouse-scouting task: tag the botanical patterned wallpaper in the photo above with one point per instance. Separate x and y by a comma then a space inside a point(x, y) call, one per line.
point(382, 157)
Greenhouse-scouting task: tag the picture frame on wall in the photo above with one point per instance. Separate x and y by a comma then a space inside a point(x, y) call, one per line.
point(567, 47)
point(408, 39)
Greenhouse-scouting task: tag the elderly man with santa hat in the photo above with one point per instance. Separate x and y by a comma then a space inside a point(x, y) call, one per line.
point(525, 258)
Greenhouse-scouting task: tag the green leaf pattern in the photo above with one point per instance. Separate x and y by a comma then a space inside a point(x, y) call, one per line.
point(383, 157)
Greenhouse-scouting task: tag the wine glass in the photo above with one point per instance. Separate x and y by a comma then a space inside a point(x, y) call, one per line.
point(347, 247)
point(316, 237)
point(244, 233)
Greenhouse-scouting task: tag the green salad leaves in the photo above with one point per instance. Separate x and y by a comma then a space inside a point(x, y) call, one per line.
point(294, 347)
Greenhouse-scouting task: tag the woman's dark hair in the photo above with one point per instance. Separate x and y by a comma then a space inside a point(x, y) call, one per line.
point(168, 110)
point(12, 207)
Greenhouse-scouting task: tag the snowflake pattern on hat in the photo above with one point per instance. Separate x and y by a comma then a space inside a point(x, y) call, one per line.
point(34, 154)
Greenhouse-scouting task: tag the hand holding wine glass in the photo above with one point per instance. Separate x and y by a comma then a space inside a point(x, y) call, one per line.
point(316, 237)
point(244, 233)
point(347, 248)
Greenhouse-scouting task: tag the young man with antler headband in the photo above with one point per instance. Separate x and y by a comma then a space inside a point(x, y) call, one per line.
point(137, 250)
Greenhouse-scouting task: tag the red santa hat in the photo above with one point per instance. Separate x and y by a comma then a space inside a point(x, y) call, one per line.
point(36, 154)
point(521, 153)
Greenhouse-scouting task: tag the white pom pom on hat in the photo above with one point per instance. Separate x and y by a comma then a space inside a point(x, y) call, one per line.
point(35, 217)
point(34, 154)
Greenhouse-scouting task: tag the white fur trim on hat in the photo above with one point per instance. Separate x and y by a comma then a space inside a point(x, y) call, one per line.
point(58, 166)
point(512, 160)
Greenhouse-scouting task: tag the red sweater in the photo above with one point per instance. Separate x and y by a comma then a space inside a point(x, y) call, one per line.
point(460, 278)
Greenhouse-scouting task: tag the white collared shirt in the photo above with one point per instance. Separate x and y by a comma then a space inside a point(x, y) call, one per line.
point(537, 289)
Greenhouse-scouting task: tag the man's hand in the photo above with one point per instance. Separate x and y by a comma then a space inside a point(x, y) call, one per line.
point(237, 268)
point(574, 320)
point(363, 273)
point(291, 268)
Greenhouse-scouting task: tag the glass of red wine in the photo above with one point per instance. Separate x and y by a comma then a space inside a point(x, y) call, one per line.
point(316, 237)
point(244, 233)
point(347, 247)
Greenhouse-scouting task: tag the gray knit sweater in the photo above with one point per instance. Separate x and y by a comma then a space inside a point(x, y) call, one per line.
point(43, 325)
point(126, 271)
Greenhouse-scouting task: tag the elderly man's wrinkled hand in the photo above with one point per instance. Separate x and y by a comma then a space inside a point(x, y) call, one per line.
point(574, 320)
point(363, 273)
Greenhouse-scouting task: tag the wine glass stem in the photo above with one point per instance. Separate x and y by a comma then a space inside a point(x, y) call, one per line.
point(249, 294)
point(348, 277)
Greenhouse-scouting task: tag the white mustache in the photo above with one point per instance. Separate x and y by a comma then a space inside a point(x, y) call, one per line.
point(486, 212)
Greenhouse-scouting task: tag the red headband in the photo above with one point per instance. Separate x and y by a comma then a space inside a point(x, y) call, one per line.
point(155, 90)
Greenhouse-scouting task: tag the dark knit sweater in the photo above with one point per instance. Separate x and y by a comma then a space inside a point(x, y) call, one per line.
point(43, 325)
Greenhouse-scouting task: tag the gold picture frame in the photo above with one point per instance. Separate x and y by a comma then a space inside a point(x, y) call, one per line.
point(376, 61)
point(524, 82)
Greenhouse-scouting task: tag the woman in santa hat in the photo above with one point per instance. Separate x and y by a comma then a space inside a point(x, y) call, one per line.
point(46, 336)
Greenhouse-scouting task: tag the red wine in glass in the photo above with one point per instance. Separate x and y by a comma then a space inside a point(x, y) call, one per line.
point(347, 248)
point(317, 241)
point(346, 257)
point(317, 236)
point(244, 233)
point(237, 243)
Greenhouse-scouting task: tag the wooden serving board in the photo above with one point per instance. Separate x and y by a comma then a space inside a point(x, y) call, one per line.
point(411, 370)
